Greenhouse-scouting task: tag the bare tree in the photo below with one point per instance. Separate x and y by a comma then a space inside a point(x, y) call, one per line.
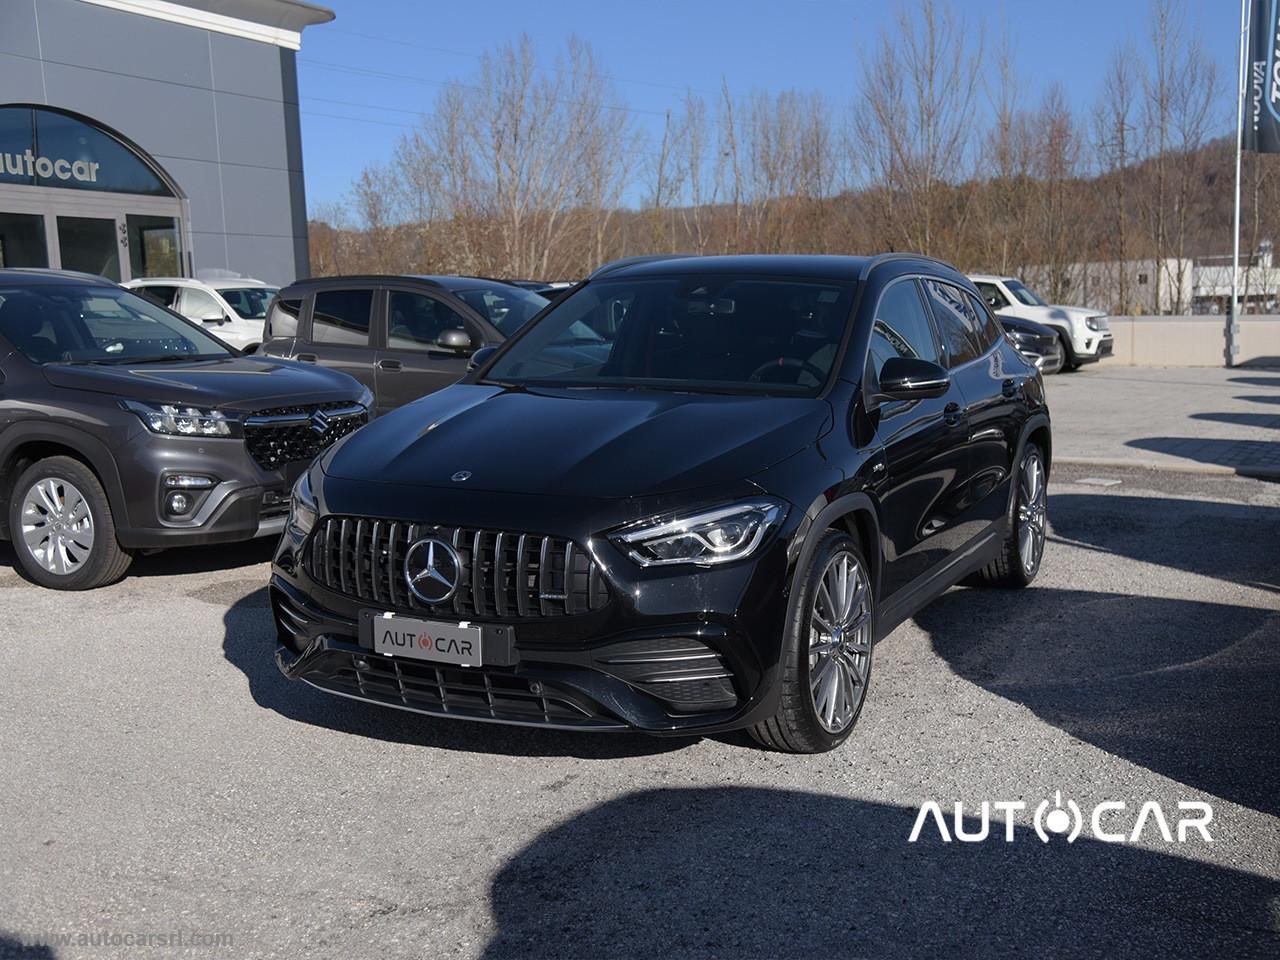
point(1114, 129)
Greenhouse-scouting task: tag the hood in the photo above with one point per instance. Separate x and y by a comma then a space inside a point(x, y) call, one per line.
point(235, 383)
point(1060, 311)
point(578, 443)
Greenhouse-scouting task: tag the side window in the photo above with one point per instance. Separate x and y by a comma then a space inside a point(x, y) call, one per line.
point(282, 321)
point(156, 294)
point(989, 330)
point(416, 321)
point(196, 304)
point(901, 327)
point(955, 322)
point(342, 317)
point(991, 293)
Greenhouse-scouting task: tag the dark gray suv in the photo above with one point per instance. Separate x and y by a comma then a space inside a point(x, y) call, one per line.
point(401, 336)
point(124, 427)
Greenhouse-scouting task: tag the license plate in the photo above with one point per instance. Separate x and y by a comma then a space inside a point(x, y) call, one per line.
point(436, 640)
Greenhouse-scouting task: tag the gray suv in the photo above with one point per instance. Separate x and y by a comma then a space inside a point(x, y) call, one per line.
point(401, 336)
point(124, 427)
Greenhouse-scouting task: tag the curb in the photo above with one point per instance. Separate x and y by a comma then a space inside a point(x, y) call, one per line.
point(1164, 466)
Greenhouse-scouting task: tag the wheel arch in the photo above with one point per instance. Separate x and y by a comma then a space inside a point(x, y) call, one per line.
point(857, 515)
point(24, 445)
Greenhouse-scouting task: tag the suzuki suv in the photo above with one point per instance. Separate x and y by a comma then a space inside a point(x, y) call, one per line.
point(123, 428)
point(703, 526)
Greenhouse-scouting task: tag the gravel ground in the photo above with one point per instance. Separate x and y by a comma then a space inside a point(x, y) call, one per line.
point(159, 778)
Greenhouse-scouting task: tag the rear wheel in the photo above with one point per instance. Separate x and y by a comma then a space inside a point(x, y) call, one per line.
point(63, 532)
point(1023, 547)
point(827, 657)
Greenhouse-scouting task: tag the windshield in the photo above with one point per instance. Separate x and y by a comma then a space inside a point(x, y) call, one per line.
point(718, 333)
point(507, 308)
point(77, 323)
point(250, 303)
point(1023, 294)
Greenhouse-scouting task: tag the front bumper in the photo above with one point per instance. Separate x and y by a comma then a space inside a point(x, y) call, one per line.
point(1095, 347)
point(674, 650)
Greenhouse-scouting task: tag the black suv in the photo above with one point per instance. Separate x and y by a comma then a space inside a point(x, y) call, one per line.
point(704, 527)
point(402, 337)
point(124, 427)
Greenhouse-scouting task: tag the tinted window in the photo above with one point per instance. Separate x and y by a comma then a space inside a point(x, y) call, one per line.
point(991, 293)
point(96, 324)
point(1027, 296)
point(955, 322)
point(714, 332)
point(901, 327)
point(416, 321)
point(342, 316)
point(161, 295)
point(283, 320)
point(989, 332)
point(249, 303)
point(507, 308)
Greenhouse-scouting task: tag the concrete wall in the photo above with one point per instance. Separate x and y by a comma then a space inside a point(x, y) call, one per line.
point(219, 113)
point(1192, 341)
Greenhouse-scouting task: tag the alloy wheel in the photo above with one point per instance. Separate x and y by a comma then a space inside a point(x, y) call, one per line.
point(1032, 512)
point(840, 642)
point(57, 525)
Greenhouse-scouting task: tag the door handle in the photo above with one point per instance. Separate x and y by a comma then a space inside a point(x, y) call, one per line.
point(951, 414)
point(306, 357)
point(390, 365)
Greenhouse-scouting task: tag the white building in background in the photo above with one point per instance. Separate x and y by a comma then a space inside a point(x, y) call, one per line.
point(1186, 286)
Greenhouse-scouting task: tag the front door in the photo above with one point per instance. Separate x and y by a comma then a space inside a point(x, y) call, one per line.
point(418, 357)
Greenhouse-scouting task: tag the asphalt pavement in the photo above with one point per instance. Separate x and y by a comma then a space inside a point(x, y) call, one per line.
point(158, 778)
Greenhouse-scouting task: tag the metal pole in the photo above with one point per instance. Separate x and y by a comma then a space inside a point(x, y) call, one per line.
point(1233, 324)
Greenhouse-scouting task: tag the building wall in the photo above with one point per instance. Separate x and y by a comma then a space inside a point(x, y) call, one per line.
point(219, 113)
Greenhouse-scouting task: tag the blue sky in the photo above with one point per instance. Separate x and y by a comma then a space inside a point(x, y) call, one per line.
point(353, 111)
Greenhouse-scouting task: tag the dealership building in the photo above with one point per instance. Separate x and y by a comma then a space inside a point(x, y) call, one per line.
point(153, 137)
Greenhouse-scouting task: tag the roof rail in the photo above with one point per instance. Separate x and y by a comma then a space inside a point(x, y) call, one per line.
point(631, 261)
point(875, 261)
point(367, 278)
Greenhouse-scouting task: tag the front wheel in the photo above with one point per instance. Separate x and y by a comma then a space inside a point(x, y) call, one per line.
point(63, 533)
point(827, 654)
point(1069, 362)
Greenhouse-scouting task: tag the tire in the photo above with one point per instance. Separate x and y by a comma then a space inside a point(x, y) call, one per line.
point(1069, 362)
point(798, 726)
point(1029, 506)
point(91, 556)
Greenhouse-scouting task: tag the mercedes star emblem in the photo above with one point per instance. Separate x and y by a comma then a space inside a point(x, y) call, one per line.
point(432, 569)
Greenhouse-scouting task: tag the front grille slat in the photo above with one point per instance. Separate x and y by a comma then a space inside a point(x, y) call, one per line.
point(284, 435)
point(504, 575)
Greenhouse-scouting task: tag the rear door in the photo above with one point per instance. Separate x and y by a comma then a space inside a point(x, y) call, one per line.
point(421, 352)
point(925, 445)
point(339, 334)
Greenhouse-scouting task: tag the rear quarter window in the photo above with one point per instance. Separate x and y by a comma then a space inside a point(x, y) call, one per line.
point(282, 321)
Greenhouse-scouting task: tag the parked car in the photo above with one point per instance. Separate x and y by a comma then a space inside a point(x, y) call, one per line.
point(124, 427)
point(1038, 343)
point(232, 309)
point(705, 528)
point(1085, 333)
point(402, 337)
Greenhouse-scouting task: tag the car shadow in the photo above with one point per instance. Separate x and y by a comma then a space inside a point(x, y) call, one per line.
point(12, 948)
point(249, 643)
point(1263, 420)
point(173, 562)
point(1242, 456)
point(1256, 381)
point(1260, 398)
point(747, 872)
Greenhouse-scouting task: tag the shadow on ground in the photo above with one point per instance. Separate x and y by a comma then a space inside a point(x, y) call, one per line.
point(11, 948)
point(1256, 381)
point(1263, 420)
point(745, 873)
point(1188, 689)
point(178, 561)
point(249, 644)
point(1239, 455)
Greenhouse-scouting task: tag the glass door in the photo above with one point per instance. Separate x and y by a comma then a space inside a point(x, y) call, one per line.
point(90, 244)
point(153, 246)
point(22, 240)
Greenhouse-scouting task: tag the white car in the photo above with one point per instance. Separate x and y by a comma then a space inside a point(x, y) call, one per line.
point(232, 310)
point(1085, 333)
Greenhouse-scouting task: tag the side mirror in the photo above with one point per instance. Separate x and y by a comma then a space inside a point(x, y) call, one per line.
point(480, 358)
point(908, 378)
point(214, 318)
point(455, 341)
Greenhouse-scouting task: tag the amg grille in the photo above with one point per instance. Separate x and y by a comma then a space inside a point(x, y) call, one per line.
point(504, 575)
point(284, 435)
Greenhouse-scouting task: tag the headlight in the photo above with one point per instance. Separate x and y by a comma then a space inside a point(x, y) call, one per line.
point(302, 507)
point(181, 421)
point(1096, 323)
point(714, 536)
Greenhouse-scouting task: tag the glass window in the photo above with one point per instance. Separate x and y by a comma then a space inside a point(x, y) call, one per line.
point(1025, 295)
point(283, 319)
point(249, 303)
point(89, 244)
point(342, 317)
point(955, 322)
point(901, 327)
point(161, 295)
point(416, 321)
point(988, 327)
point(200, 305)
point(507, 308)
point(84, 324)
point(22, 240)
point(992, 294)
point(714, 332)
point(153, 246)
